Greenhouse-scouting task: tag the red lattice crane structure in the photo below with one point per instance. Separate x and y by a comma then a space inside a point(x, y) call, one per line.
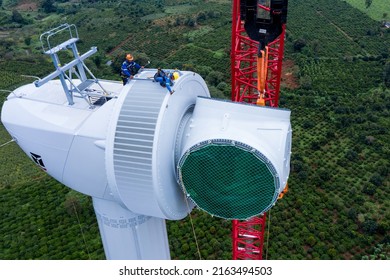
point(258, 34)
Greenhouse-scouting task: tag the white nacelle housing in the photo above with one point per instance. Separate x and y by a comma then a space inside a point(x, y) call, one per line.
point(137, 147)
point(121, 151)
point(145, 155)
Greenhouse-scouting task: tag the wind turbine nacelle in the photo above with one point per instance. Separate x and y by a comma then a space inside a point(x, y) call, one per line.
point(121, 151)
point(144, 147)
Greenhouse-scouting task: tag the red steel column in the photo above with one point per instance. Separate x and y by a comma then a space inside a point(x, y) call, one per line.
point(248, 236)
point(243, 63)
point(275, 59)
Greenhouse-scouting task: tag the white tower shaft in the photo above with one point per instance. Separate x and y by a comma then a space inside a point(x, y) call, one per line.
point(131, 236)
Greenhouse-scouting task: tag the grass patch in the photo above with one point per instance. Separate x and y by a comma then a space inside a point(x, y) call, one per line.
point(199, 32)
point(376, 11)
point(154, 16)
point(179, 9)
point(219, 54)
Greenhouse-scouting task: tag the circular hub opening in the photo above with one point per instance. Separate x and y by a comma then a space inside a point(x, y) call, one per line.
point(228, 179)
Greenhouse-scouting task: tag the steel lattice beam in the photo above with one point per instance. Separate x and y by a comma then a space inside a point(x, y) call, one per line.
point(248, 236)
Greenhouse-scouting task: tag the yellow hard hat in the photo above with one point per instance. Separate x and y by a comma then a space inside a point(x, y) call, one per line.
point(176, 75)
point(129, 57)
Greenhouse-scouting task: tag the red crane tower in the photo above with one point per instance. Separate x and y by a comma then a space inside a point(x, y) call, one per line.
point(258, 33)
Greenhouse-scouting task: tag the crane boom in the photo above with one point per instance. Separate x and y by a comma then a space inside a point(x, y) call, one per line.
point(258, 33)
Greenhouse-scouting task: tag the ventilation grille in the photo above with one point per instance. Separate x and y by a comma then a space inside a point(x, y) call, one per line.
point(133, 144)
point(228, 179)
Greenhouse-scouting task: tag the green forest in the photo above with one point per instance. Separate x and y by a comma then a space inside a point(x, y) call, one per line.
point(336, 82)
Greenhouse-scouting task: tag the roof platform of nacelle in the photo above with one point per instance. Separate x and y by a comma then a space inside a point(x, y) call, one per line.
point(52, 93)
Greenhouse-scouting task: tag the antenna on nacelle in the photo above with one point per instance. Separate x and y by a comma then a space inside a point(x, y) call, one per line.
point(47, 39)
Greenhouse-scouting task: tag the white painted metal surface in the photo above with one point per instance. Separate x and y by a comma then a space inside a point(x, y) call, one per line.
point(121, 153)
point(268, 130)
point(126, 235)
point(141, 143)
point(124, 153)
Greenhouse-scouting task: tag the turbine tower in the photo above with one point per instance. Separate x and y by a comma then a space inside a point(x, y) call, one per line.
point(144, 155)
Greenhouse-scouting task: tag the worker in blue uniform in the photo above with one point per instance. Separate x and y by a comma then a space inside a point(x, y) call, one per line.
point(129, 68)
point(164, 79)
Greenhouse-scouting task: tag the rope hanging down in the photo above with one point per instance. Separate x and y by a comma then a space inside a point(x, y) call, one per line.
point(2, 145)
point(193, 227)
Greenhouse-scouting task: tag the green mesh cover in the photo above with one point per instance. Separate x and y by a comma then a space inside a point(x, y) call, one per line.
point(228, 181)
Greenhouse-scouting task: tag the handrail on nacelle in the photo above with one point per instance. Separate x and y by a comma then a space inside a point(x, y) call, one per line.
point(46, 36)
point(77, 65)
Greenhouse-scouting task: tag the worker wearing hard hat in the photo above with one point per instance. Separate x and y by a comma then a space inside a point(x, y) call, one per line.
point(164, 79)
point(129, 68)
